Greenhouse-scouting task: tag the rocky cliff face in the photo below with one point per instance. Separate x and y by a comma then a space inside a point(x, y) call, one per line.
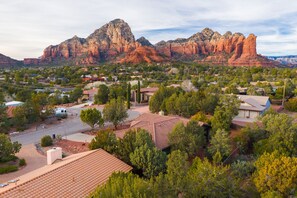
point(114, 42)
point(214, 48)
point(7, 62)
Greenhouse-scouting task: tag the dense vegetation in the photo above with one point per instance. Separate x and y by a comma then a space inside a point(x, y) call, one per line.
point(257, 160)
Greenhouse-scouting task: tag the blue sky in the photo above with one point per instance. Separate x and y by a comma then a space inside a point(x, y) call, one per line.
point(27, 27)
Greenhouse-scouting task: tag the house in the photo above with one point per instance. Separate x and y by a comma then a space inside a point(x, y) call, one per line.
point(157, 125)
point(74, 176)
point(90, 94)
point(145, 94)
point(14, 103)
point(252, 106)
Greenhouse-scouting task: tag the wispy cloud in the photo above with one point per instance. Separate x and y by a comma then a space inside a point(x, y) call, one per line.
point(27, 27)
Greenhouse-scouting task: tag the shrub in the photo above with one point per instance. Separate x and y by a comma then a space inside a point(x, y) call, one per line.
point(291, 105)
point(46, 141)
point(8, 159)
point(22, 162)
point(242, 168)
point(8, 169)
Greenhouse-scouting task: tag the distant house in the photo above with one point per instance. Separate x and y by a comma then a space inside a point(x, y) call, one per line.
point(11, 106)
point(14, 103)
point(157, 125)
point(90, 94)
point(252, 106)
point(74, 176)
point(145, 94)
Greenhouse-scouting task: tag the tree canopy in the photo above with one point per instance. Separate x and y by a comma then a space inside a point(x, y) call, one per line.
point(115, 111)
point(91, 116)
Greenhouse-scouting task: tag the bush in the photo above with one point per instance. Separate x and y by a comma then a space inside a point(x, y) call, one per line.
point(22, 162)
point(242, 168)
point(291, 105)
point(8, 159)
point(46, 141)
point(8, 169)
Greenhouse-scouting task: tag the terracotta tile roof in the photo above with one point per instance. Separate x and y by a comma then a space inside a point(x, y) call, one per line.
point(74, 176)
point(149, 89)
point(158, 126)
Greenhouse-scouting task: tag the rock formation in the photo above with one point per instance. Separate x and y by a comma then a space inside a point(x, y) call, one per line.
point(7, 62)
point(114, 42)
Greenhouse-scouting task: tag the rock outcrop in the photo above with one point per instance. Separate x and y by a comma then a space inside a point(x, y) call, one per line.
point(213, 48)
point(7, 62)
point(114, 42)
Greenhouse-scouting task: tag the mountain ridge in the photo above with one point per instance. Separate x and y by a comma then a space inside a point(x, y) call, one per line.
point(114, 42)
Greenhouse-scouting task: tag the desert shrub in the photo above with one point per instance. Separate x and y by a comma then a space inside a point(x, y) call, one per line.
point(22, 162)
point(8, 169)
point(291, 105)
point(46, 141)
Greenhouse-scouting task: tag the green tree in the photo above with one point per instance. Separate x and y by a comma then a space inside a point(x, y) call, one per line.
point(128, 96)
point(133, 139)
point(275, 172)
point(102, 95)
point(188, 138)
point(200, 117)
point(225, 111)
point(123, 185)
point(105, 139)
point(291, 105)
point(8, 148)
point(138, 92)
point(20, 118)
point(220, 142)
point(150, 160)
point(282, 135)
point(157, 100)
point(177, 170)
point(76, 94)
point(208, 180)
point(4, 122)
point(115, 111)
point(91, 117)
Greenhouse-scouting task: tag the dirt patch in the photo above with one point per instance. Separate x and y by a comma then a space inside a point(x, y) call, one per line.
point(68, 147)
point(120, 127)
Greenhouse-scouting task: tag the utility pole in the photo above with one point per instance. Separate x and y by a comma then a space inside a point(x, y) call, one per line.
point(284, 94)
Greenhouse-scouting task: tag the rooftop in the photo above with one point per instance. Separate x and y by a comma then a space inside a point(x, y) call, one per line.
point(157, 125)
point(74, 176)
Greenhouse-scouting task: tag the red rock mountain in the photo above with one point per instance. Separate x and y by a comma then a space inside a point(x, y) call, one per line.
point(114, 42)
point(7, 62)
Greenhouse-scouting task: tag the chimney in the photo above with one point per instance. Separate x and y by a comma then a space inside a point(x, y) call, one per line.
point(53, 154)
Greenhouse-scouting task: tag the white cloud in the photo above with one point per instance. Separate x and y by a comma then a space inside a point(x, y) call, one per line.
point(27, 27)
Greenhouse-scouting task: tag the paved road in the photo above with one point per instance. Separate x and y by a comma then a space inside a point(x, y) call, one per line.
point(67, 126)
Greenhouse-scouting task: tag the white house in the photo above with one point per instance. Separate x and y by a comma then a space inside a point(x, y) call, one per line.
point(14, 103)
point(252, 106)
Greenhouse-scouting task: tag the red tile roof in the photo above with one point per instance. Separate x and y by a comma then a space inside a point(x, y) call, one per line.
point(157, 125)
point(75, 176)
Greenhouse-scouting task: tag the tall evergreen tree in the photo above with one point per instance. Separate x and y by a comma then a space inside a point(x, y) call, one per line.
point(138, 92)
point(128, 95)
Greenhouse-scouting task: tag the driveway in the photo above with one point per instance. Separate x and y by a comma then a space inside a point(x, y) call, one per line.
point(34, 161)
point(68, 126)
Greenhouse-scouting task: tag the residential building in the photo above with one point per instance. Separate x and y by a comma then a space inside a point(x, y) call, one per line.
point(252, 106)
point(75, 176)
point(157, 125)
point(145, 94)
